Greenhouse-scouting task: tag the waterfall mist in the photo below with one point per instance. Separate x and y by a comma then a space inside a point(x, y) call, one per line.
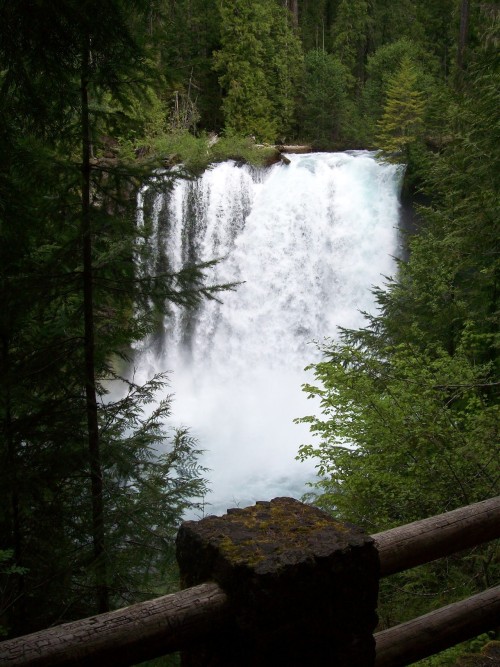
point(306, 241)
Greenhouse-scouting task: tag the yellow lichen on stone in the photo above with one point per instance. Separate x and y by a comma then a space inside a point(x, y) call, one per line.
point(268, 530)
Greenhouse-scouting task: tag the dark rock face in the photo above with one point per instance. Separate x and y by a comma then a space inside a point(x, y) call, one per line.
point(302, 585)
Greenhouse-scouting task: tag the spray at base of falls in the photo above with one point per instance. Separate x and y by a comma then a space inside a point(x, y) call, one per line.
point(306, 241)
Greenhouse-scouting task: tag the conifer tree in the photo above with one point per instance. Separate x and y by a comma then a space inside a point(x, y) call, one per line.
point(259, 62)
point(411, 402)
point(74, 470)
point(351, 35)
point(324, 109)
point(401, 122)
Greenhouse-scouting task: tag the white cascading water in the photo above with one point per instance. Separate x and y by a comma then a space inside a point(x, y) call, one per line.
point(307, 241)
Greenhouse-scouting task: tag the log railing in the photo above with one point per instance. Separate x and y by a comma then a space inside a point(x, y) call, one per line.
point(440, 629)
point(205, 613)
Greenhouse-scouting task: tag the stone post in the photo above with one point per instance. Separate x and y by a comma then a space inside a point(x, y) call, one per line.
point(302, 586)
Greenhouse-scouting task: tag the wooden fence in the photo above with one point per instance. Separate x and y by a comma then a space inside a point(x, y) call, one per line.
point(204, 619)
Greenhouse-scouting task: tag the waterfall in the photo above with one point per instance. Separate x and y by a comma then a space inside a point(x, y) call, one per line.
point(306, 241)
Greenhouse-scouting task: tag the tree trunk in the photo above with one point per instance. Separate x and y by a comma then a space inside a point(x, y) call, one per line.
point(293, 7)
point(464, 30)
point(12, 467)
point(102, 593)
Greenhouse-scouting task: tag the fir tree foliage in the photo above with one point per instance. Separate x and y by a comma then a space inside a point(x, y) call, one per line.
point(259, 61)
point(79, 493)
point(381, 68)
point(402, 119)
point(325, 98)
point(351, 35)
point(410, 403)
point(151, 478)
point(404, 430)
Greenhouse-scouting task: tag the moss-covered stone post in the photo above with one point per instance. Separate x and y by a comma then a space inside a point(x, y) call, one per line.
point(302, 586)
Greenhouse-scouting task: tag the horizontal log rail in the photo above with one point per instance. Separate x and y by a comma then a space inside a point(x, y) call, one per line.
point(440, 629)
point(423, 541)
point(126, 636)
point(184, 619)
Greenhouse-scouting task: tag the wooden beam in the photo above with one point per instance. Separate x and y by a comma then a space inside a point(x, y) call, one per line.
point(423, 541)
point(125, 636)
point(173, 622)
point(445, 627)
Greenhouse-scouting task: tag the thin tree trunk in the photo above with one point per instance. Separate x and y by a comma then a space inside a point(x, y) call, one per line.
point(13, 481)
point(463, 37)
point(293, 8)
point(102, 592)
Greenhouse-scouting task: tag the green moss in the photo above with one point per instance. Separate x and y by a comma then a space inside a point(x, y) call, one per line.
point(271, 531)
point(197, 153)
point(245, 553)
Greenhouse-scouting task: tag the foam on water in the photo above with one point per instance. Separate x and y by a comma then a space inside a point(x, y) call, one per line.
point(306, 241)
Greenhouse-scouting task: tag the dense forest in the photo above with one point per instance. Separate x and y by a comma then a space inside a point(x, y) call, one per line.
point(97, 95)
